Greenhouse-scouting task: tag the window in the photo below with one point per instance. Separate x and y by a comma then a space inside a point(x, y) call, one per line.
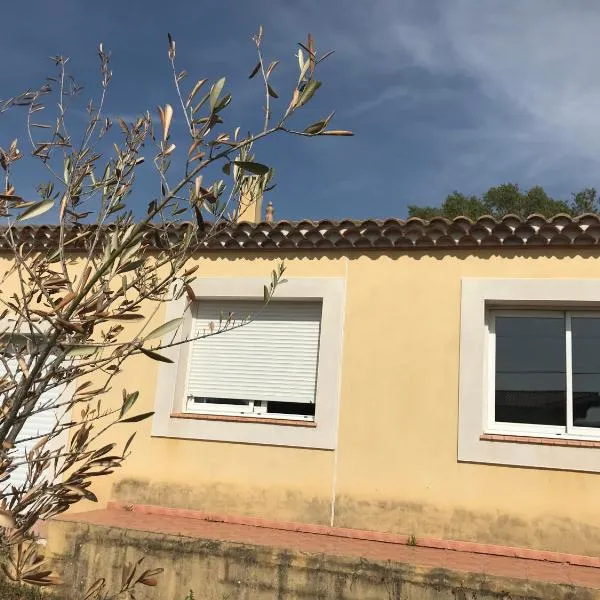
point(38, 425)
point(274, 381)
point(529, 372)
point(546, 372)
point(267, 368)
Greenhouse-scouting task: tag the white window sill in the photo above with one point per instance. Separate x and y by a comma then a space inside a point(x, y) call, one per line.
point(545, 440)
point(245, 419)
point(535, 432)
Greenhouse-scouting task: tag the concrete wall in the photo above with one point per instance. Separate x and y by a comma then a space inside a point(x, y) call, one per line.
point(395, 468)
point(217, 570)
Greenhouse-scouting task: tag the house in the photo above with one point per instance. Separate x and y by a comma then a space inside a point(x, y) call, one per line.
point(434, 380)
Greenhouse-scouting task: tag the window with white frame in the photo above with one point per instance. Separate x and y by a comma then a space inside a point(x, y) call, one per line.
point(544, 372)
point(41, 423)
point(266, 368)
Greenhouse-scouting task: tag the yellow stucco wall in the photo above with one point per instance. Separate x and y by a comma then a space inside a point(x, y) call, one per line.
point(395, 467)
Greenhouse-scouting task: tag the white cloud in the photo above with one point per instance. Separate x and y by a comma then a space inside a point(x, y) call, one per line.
point(395, 92)
point(538, 56)
point(536, 60)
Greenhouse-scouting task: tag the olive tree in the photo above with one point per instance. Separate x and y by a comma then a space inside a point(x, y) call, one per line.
point(71, 316)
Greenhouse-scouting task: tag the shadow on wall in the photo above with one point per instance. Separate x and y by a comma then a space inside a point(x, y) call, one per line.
point(481, 253)
point(221, 498)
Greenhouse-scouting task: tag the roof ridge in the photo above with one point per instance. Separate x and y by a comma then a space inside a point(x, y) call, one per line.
point(392, 233)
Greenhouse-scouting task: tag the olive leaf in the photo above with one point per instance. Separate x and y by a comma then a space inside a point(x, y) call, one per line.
point(164, 329)
point(252, 167)
point(215, 92)
point(128, 402)
point(37, 209)
point(81, 351)
point(155, 356)
point(340, 132)
point(309, 91)
point(255, 70)
point(137, 418)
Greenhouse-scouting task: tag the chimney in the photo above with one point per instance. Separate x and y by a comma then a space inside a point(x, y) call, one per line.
point(250, 209)
point(269, 213)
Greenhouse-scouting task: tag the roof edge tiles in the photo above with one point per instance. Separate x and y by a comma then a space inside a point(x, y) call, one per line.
point(487, 232)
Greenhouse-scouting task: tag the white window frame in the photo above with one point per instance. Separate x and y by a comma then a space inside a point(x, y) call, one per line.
point(171, 394)
point(61, 415)
point(253, 408)
point(569, 431)
point(217, 408)
point(478, 297)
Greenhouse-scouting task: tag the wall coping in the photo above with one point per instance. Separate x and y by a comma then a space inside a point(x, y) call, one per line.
point(359, 534)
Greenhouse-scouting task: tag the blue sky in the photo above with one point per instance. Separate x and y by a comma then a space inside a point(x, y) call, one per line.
point(442, 95)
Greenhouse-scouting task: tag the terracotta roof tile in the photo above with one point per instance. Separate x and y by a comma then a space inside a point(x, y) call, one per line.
point(486, 232)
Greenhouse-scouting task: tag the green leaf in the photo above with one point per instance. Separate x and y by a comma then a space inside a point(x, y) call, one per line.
point(128, 443)
point(137, 418)
point(215, 92)
point(37, 209)
point(265, 293)
point(125, 317)
point(223, 103)
point(155, 356)
point(252, 167)
point(316, 127)
point(271, 91)
point(81, 351)
point(66, 169)
point(255, 70)
point(129, 401)
point(89, 495)
point(164, 329)
point(309, 91)
point(131, 266)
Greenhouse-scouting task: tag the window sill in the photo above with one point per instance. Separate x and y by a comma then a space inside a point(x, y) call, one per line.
point(542, 441)
point(240, 419)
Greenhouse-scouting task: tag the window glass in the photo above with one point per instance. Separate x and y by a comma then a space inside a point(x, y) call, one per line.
point(530, 370)
point(585, 338)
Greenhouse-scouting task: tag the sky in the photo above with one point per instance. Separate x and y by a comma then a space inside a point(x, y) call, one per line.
point(442, 95)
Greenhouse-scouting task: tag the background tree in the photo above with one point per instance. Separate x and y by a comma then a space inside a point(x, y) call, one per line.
point(72, 316)
point(585, 201)
point(508, 199)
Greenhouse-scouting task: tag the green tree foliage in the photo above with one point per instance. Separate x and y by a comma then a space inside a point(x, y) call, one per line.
point(507, 199)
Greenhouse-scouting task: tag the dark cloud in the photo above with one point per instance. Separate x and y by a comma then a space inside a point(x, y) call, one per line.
point(443, 95)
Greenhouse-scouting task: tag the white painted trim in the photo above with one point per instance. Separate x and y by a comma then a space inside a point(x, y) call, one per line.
point(525, 429)
point(569, 371)
point(478, 295)
point(507, 428)
point(170, 388)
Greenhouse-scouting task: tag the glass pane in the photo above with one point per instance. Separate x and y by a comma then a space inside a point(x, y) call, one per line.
point(291, 408)
point(530, 370)
point(586, 371)
point(225, 401)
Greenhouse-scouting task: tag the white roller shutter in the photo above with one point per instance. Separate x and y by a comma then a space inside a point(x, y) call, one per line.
point(273, 358)
point(39, 424)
